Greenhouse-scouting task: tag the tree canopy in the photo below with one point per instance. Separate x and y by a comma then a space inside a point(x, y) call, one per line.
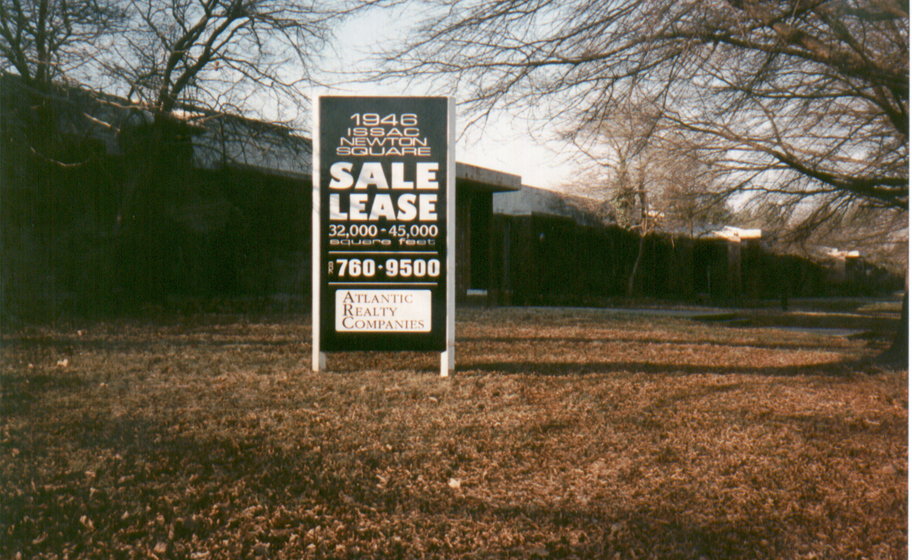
point(251, 57)
point(233, 55)
point(798, 99)
point(47, 40)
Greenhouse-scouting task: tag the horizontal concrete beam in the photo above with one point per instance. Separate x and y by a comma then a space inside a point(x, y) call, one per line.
point(494, 181)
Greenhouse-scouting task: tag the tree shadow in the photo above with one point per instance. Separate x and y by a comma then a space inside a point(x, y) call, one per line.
point(190, 488)
point(791, 343)
point(839, 369)
point(156, 487)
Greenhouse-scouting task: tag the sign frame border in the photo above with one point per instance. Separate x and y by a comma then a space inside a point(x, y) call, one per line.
point(447, 356)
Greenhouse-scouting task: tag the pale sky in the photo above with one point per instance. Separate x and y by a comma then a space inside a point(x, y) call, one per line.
point(504, 145)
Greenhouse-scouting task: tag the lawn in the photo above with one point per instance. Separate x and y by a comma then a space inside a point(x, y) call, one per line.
point(565, 433)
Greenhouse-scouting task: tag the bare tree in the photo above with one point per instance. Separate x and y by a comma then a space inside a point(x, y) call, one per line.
point(177, 68)
point(645, 176)
point(229, 55)
point(694, 199)
point(47, 40)
point(805, 101)
point(175, 60)
point(622, 171)
point(45, 43)
point(185, 64)
point(250, 57)
point(803, 98)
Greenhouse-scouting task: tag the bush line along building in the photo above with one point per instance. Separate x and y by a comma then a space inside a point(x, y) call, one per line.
point(106, 207)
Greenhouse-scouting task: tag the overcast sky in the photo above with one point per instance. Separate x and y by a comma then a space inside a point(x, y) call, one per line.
point(504, 145)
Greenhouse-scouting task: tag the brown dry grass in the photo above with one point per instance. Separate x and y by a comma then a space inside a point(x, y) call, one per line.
point(565, 434)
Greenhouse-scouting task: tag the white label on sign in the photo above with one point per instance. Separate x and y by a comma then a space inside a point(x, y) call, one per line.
point(383, 311)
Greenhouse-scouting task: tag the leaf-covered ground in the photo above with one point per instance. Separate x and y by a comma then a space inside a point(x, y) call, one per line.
point(564, 434)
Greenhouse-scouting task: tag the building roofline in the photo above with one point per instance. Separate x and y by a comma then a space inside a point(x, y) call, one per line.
point(488, 179)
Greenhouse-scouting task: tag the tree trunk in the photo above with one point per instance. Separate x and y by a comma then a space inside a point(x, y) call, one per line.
point(160, 154)
point(898, 352)
point(631, 282)
point(644, 223)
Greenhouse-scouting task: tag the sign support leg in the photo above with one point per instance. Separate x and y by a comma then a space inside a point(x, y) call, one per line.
point(448, 357)
point(447, 363)
point(319, 358)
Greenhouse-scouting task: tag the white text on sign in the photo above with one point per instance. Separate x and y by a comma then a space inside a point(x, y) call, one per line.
point(375, 205)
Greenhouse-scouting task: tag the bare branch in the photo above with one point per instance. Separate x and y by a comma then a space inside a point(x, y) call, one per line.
point(794, 99)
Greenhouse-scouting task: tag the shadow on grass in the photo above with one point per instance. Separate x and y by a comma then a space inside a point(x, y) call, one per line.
point(796, 343)
point(835, 369)
point(71, 344)
point(85, 481)
point(18, 391)
point(155, 490)
point(95, 483)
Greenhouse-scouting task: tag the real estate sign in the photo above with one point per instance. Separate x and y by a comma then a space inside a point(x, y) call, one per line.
point(384, 182)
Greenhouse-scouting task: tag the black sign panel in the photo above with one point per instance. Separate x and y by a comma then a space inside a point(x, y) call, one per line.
point(383, 175)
